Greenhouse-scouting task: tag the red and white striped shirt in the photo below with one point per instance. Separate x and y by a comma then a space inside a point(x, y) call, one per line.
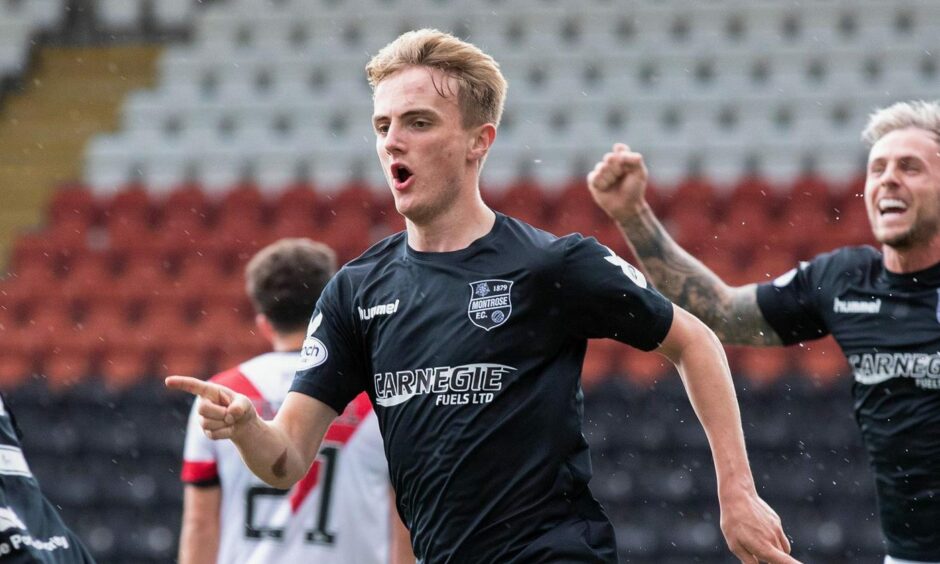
point(338, 513)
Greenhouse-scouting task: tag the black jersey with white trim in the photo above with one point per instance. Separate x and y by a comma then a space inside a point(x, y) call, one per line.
point(30, 528)
point(472, 359)
point(888, 326)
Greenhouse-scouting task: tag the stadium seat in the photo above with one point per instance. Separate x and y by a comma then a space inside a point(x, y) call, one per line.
point(822, 362)
point(70, 201)
point(763, 366)
point(15, 368)
point(598, 361)
point(87, 280)
point(120, 367)
point(645, 368)
point(65, 368)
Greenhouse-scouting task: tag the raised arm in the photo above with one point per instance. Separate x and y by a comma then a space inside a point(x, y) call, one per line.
point(617, 184)
point(280, 451)
point(751, 528)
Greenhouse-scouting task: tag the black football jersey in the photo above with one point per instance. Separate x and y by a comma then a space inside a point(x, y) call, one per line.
point(472, 359)
point(30, 527)
point(888, 326)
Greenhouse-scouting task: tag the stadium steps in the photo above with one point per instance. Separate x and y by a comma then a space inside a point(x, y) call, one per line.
point(69, 94)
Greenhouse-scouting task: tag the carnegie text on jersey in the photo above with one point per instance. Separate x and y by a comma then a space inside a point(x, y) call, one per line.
point(453, 385)
point(874, 368)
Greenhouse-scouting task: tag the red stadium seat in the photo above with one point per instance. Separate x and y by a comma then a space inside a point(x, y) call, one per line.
point(762, 366)
point(849, 227)
point(186, 200)
point(129, 235)
point(598, 361)
point(350, 234)
point(65, 368)
point(143, 280)
point(293, 226)
point(694, 193)
point(693, 227)
point(768, 264)
point(800, 230)
point(645, 368)
point(297, 202)
point(89, 280)
point(743, 228)
point(754, 192)
point(526, 201)
point(69, 202)
point(132, 203)
point(30, 282)
point(809, 191)
point(243, 202)
point(185, 361)
point(121, 368)
point(16, 366)
point(575, 211)
point(822, 361)
point(388, 220)
point(354, 199)
point(47, 325)
point(102, 326)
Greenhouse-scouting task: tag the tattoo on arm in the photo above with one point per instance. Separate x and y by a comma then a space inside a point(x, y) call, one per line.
point(732, 313)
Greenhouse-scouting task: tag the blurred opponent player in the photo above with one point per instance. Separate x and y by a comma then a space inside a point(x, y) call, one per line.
point(468, 331)
point(341, 510)
point(30, 527)
point(881, 307)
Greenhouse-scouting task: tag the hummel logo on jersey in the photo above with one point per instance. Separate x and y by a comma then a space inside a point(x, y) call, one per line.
point(384, 309)
point(10, 520)
point(856, 306)
point(490, 303)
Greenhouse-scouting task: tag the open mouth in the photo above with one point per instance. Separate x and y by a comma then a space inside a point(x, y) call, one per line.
point(401, 173)
point(891, 206)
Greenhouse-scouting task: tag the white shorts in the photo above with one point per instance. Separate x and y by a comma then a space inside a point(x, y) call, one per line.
point(890, 560)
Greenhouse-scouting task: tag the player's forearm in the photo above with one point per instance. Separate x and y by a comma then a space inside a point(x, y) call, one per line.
point(675, 273)
point(704, 370)
point(199, 540)
point(268, 452)
point(732, 313)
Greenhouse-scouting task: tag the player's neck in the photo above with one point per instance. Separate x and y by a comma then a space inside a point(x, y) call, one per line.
point(453, 229)
point(914, 259)
point(289, 342)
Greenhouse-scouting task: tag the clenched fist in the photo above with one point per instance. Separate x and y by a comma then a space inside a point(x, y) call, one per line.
point(618, 182)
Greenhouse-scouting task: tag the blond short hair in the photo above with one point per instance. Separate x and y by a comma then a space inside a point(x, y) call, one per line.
point(917, 113)
point(481, 86)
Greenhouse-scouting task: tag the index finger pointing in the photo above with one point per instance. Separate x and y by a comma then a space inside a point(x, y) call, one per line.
point(191, 385)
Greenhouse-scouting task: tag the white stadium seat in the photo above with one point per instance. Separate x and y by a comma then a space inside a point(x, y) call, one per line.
point(714, 85)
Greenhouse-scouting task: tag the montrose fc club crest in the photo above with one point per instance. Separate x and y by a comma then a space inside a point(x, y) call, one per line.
point(490, 303)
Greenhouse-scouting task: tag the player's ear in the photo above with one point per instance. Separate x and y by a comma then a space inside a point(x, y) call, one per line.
point(481, 141)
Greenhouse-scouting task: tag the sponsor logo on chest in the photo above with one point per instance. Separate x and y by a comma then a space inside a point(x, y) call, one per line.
point(476, 383)
point(874, 368)
point(856, 306)
point(490, 303)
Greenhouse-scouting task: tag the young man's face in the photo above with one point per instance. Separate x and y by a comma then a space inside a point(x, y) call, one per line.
point(421, 141)
point(902, 188)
